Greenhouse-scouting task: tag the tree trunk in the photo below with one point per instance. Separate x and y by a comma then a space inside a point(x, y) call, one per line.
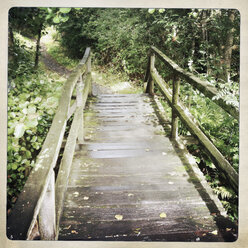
point(228, 47)
point(11, 37)
point(10, 43)
point(37, 53)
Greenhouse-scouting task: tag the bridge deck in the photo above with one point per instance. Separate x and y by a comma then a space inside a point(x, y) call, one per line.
point(128, 182)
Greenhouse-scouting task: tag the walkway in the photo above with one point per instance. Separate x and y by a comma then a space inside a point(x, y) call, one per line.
point(128, 182)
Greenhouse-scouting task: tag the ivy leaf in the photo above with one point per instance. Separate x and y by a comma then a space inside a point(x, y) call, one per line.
point(56, 19)
point(31, 109)
point(64, 10)
point(30, 123)
point(14, 166)
point(19, 130)
point(151, 11)
point(65, 19)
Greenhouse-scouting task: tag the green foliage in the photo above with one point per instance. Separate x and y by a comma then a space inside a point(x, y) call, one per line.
point(32, 101)
point(21, 60)
point(196, 39)
point(58, 53)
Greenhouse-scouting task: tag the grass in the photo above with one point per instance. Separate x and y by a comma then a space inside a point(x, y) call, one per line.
point(54, 49)
point(117, 82)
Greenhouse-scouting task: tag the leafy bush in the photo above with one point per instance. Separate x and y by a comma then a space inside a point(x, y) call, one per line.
point(21, 59)
point(31, 107)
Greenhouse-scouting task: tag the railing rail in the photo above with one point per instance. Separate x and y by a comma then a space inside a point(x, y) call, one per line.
point(39, 204)
point(180, 111)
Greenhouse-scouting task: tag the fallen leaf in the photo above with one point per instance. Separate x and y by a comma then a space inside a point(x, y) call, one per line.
point(68, 227)
point(76, 194)
point(228, 229)
point(215, 232)
point(119, 217)
point(130, 194)
point(74, 231)
point(163, 215)
point(86, 198)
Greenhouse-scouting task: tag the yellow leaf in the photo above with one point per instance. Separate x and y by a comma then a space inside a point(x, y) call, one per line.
point(215, 232)
point(119, 217)
point(163, 215)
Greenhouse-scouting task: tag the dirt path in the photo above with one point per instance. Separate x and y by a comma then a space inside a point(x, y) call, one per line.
point(51, 63)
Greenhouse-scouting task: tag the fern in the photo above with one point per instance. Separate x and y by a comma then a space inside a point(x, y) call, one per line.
point(229, 92)
point(224, 193)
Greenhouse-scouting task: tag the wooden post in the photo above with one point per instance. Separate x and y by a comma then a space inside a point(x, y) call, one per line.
point(47, 218)
point(79, 104)
point(88, 71)
point(150, 83)
point(175, 97)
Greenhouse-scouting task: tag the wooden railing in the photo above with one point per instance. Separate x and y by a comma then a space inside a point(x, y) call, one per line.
point(180, 111)
point(40, 203)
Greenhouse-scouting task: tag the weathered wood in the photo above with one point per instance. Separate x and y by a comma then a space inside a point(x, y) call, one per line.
point(47, 215)
point(64, 169)
point(72, 110)
point(150, 83)
point(221, 163)
point(175, 99)
point(27, 207)
point(202, 85)
point(88, 71)
point(141, 180)
point(147, 75)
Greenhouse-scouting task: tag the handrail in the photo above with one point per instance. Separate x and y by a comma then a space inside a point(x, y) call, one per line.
point(38, 196)
point(180, 111)
point(202, 85)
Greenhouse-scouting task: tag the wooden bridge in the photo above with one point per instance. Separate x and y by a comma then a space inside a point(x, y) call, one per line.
point(124, 174)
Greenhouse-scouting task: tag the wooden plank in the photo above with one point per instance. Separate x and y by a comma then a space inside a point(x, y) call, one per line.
point(47, 217)
point(65, 166)
point(72, 110)
point(24, 214)
point(138, 188)
point(175, 99)
point(150, 83)
point(202, 85)
point(221, 163)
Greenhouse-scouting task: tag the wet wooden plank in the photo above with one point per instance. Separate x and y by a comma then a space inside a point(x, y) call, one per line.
point(129, 168)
